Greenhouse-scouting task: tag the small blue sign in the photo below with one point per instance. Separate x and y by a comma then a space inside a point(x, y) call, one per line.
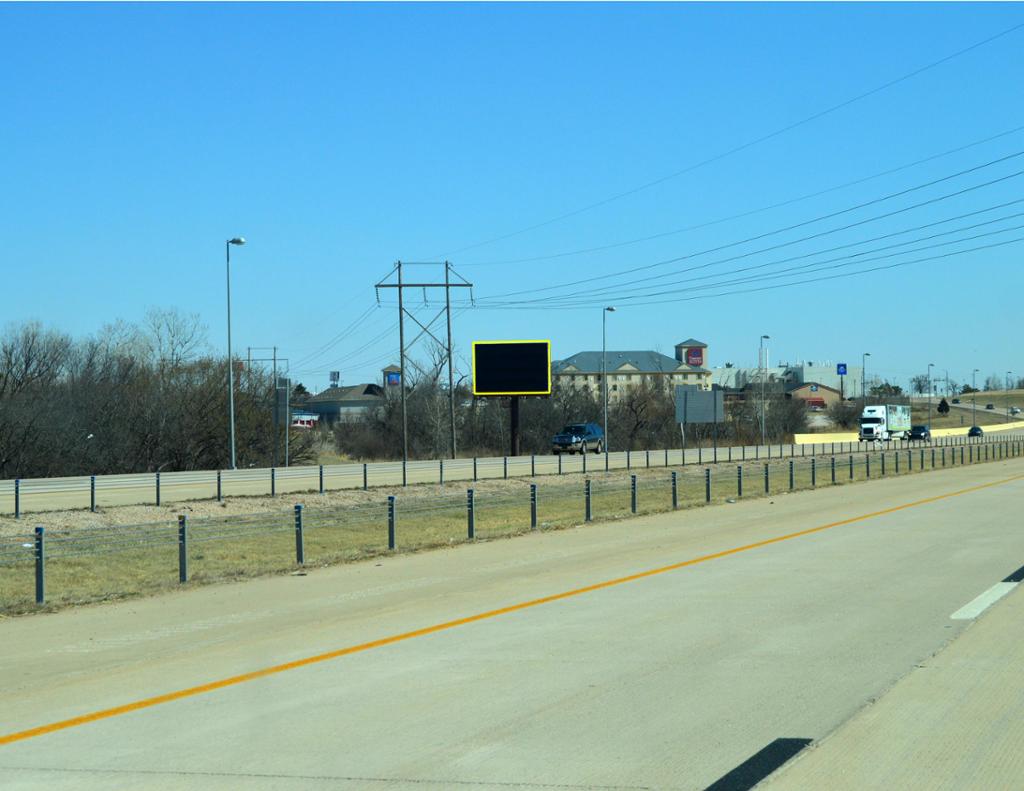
point(841, 369)
point(394, 378)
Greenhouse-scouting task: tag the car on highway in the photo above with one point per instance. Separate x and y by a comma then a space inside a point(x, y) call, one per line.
point(578, 438)
point(975, 432)
point(920, 434)
point(1015, 410)
point(990, 406)
point(956, 400)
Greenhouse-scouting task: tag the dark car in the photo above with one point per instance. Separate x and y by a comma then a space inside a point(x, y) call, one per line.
point(990, 406)
point(956, 400)
point(920, 434)
point(578, 438)
point(975, 432)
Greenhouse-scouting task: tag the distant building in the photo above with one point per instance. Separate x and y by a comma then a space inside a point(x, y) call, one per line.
point(345, 403)
point(816, 395)
point(792, 374)
point(630, 369)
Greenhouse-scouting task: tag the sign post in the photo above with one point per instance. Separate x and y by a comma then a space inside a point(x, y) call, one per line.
point(841, 372)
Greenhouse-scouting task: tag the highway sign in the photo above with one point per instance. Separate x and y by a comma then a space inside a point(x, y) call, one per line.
point(841, 369)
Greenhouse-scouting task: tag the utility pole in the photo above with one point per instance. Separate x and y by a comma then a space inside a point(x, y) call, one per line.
point(451, 373)
point(276, 406)
point(763, 364)
point(447, 285)
point(974, 397)
point(276, 401)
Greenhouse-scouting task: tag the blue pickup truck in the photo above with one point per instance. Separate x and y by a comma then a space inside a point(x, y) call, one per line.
point(579, 438)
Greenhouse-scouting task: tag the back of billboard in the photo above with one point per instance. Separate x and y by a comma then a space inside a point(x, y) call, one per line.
point(511, 368)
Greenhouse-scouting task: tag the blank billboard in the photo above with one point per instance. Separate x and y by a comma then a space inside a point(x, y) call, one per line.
point(507, 368)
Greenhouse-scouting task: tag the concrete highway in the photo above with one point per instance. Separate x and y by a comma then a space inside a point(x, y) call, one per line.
point(51, 494)
point(671, 652)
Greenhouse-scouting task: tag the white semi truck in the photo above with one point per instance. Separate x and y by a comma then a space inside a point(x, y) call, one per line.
point(884, 421)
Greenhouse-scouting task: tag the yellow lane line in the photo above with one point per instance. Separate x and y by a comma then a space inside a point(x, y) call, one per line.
point(231, 681)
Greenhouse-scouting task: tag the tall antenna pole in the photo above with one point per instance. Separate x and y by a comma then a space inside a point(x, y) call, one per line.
point(451, 373)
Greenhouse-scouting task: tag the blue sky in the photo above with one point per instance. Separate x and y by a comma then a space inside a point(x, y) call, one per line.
point(339, 138)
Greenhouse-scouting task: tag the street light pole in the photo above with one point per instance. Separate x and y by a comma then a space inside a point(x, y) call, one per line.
point(238, 240)
point(930, 366)
point(864, 377)
point(1006, 406)
point(604, 374)
point(974, 397)
point(762, 364)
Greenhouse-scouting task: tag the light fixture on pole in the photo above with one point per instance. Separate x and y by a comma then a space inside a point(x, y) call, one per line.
point(930, 366)
point(238, 240)
point(604, 375)
point(763, 365)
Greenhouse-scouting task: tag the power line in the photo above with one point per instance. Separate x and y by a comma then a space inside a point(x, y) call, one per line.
point(748, 213)
point(777, 231)
point(743, 146)
point(620, 291)
point(765, 288)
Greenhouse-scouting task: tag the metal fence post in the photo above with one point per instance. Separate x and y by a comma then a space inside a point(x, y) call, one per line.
point(391, 521)
point(851, 466)
point(505, 461)
point(533, 506)
point(273, 482)
point(739, 480)
point(933, 458)
point(440, 472)
point(585, 462)
point(533, 465)
point(961, 454)
point(559, 457)
point(17, 498)
point(183, 548)
point(729, 454)
point(700, 454)
point(883, 463)
point(707, 484)
point(833, 470)
point(158, 488)
point(405, 473)
point(791, 475)
point(366, 476)
point(675, 491)
point(321, 478)
point(666, 457)
point(587, 512)
point(220, 487)
point(766, 484)
point(897, 455)
point(474, 466)
point(867, 464)
point(40, 552)
point(300, 546)
point(814, 472)
point(629, 464)
point(632, 493)
point(648, 457)
point(470, 515)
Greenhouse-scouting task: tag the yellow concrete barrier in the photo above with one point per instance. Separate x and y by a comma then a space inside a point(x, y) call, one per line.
point(960, 431)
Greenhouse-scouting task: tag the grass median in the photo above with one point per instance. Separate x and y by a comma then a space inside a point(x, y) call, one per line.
point(123, 561)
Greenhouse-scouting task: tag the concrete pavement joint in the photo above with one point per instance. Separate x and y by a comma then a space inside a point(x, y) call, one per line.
point(295, 664)
point(332, 778)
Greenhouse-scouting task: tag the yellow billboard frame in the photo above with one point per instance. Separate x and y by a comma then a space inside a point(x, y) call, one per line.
point(547, 345)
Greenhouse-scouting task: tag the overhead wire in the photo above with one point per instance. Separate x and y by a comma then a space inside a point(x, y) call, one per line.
point(749, 212)
point(742, 147)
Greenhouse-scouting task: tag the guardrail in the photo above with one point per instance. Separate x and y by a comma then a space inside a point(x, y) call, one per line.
point(21, 496)
point(86, 564)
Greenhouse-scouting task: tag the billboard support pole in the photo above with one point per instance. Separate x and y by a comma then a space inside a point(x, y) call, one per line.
point(514, 426)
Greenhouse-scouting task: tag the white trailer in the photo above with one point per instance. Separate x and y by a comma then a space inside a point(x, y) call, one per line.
point(885, 421)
